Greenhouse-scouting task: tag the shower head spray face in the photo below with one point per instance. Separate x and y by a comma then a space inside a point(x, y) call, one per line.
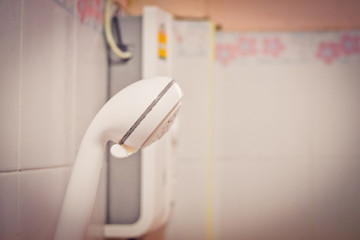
point(139, 114)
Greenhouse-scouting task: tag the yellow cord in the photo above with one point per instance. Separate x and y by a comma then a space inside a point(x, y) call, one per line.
point(210, 162)
point(108, 34)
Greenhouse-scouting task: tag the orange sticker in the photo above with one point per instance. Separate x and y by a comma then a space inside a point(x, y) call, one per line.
point(162, 42)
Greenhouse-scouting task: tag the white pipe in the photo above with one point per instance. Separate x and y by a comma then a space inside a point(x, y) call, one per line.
point(108, 34)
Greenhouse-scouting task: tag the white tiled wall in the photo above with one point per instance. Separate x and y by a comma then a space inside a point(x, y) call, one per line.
point(91, 76)
point(10, 12)
point(47, 60)
point(41, 193)
point(8, 205)
point(256, 115)
point(192, 70)
point(53, 81)
point(188, 217)
point(336, 197)
point(287, 141)
point(258, 199)
point(336, 112)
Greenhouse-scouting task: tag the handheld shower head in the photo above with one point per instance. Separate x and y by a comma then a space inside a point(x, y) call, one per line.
point(153, 105)
point(134, 118)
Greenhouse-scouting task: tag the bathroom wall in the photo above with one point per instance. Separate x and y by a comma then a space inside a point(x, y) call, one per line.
point(193, 71)
point(287, 135)
point(52, 82)
point(285, 158)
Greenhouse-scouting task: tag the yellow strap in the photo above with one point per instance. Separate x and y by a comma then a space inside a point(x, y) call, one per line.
point(210, 160)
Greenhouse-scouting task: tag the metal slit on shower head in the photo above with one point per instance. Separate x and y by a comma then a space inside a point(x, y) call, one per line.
point(148, 109)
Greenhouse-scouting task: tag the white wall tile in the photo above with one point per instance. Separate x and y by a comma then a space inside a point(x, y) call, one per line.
point(91, 77)
point(262, 199)
point(46, 101)
point(335, 110)
point(335, 185)
point(30, 200)
point(192, 68)
point(10, 20)
point(188, 220)
point(40, 201)
point(8, 205)
point(261, 110)
point(193, 127)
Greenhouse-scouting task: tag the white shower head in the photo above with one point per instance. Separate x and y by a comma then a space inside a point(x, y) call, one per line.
point(139, 114)
point(134, 118)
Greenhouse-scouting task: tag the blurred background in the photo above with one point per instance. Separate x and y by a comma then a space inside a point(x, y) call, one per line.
point(268, 142)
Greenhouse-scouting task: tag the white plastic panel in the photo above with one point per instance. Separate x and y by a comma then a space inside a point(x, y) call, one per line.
point(157, 159)
point(156, 22)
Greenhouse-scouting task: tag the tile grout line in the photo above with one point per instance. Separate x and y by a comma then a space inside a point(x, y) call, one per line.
point(210, 157)
point(74, 86)
point(36, 169)
point(18, 192)
point(20, 84)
